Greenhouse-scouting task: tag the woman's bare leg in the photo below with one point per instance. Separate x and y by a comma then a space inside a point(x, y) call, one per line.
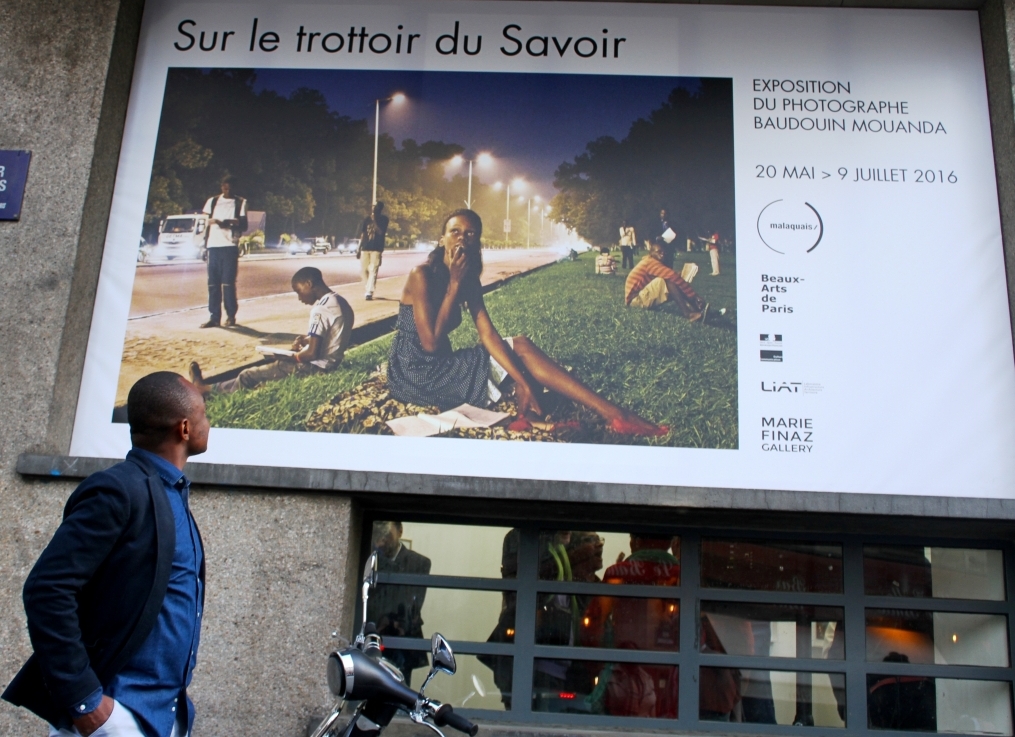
point(548, 373)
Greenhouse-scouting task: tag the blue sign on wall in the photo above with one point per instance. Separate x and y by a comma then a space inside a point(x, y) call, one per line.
point(13, 174)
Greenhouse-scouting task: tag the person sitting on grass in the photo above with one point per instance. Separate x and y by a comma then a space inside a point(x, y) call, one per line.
point(320, 350)
point(424, 370)
point(652, 283)
point(605, 263)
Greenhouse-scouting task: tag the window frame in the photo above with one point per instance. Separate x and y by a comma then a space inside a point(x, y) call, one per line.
point(690, 593)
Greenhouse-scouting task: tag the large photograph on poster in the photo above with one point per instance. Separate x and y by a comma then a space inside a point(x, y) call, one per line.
point(595, 233)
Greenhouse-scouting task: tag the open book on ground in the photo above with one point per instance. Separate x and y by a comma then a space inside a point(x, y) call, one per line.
point(463, 416)
point(268, 350)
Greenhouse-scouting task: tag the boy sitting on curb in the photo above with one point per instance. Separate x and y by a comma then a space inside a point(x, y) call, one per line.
point(320, 350)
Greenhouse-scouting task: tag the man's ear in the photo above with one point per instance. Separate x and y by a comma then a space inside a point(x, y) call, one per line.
point(183, 429)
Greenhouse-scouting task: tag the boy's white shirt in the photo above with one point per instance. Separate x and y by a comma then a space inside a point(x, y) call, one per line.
point(327, 322)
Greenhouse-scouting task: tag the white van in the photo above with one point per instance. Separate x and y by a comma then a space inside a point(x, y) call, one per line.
point(182, 236)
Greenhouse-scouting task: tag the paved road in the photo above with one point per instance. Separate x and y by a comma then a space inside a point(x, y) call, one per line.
point(170, 287)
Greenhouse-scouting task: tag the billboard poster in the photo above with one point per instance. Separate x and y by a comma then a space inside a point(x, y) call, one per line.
point(636, 244)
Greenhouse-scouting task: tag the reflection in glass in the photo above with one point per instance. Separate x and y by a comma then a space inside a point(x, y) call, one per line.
point(566, 555)
point(945, 638)
point(938, 704)
point(458, 614)
point(394, 608)
point(475, 685)
point(943, 573)
point(773, 630)
point(444, 546)
point(608, 621)
point(504, 628)
point(771, 566)
point(807, 699)
point(611, 689)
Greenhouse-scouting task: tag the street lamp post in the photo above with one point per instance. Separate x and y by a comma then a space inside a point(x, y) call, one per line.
point(528, 225)
point(518, 183)
point(482, 159)
point(538, 201)
point(397, 98)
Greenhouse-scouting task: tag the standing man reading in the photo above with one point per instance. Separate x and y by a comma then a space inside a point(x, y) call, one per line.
point(227, 221)
point(372, 232)
point(114, 602)
point(667, 236)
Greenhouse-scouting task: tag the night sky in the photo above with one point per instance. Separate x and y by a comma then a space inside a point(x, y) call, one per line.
point(530, 123)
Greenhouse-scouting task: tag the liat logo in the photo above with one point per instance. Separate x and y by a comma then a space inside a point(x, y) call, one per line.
point(790, 228)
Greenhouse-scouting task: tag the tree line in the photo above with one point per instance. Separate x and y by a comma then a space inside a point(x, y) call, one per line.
point(309, 168)
point(679, 158)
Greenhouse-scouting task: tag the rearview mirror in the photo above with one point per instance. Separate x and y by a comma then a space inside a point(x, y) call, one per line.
point(370, 570)
point(442, 657)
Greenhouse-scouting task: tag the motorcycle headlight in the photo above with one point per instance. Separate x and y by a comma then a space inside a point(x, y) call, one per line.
point(340, 674)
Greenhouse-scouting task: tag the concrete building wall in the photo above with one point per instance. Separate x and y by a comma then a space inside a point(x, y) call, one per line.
point(277, 563)
point(54, 60)
point(281, 565)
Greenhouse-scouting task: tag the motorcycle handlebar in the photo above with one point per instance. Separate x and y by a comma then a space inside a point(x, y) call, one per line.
point(355, 676)
point(445, 716)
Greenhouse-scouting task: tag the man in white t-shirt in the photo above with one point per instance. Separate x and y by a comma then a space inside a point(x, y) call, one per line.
point(227, 220)
point(320, 350)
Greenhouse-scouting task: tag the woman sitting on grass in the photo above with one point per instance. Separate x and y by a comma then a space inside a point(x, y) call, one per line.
point(424, 370)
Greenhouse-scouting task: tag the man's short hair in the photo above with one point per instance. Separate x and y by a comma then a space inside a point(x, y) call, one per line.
point(228, 179)
point(156, 403)
point(310, 274)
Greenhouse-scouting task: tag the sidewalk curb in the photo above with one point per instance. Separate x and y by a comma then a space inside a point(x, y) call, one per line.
point(361, 335)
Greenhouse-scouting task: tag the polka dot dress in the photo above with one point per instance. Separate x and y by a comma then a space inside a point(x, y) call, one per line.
point(445, 378)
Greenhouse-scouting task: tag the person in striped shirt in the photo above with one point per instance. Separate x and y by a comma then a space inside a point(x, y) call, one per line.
point(652, 283)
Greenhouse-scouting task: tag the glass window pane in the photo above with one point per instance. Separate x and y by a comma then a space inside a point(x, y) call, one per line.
point(608, 621)
point(637, 558)
point(412, 611)
point(943, 573)
point(774, 630)
point(481, 682)
point(772, 697)
point(945, 638)
point(419, 547)
point(939, 705)
point(611, 689)
point(771, 566)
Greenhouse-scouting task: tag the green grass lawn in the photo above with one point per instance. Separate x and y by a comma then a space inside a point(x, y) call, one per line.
point(652, 362)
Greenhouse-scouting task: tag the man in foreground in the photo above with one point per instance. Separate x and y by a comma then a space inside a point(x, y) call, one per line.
point(320, 350)
point(652, 283)
point(114, 602)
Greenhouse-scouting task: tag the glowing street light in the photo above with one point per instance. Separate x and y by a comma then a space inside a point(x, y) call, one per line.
point(483, 159)
point(397, 99)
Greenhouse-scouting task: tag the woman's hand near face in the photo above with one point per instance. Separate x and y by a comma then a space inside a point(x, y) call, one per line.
point(459, 265)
